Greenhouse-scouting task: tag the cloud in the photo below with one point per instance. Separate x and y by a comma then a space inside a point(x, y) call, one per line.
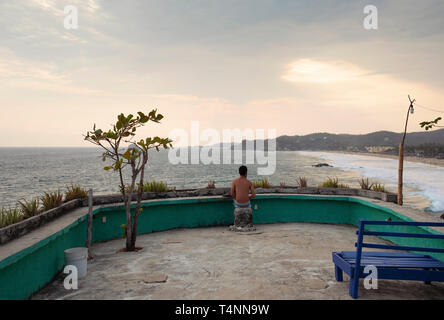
point(23, 73)
point(42, 22)
point(297, 67)
point(365, 100)
point(315, 71)
point(47, 5)
point(56, 7)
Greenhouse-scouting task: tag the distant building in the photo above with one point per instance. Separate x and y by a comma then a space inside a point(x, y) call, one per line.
point(378, 149)
point(419, 153)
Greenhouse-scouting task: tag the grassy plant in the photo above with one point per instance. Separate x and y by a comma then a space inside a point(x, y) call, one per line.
point(9, 216)
point(302, 182)
point(29, 208)
point(262, 183)
point(52, 200)
point(333, 183)
point(211, 185)
point(365, 184)
point(75, 192)
point(153, 186)
point(378, 187)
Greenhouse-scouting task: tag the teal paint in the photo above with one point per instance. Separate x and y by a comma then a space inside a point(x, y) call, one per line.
point(29, 270)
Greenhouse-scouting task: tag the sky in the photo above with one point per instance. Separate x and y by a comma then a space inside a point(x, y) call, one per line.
point(295, 66)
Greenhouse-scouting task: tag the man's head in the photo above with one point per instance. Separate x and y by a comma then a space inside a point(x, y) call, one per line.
point(243, 171)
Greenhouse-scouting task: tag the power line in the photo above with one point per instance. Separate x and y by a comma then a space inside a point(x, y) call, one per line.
point(427, 108)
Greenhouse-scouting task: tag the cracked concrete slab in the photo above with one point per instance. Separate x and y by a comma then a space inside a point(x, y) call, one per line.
point(279, 261)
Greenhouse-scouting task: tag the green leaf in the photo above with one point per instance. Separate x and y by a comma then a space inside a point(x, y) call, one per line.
point(127, 154)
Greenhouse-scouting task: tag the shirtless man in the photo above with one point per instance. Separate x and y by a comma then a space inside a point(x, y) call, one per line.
point(240, 189)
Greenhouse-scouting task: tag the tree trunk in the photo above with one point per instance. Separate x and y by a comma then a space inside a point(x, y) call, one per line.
point(139, 200)
point(128, 225)
point(129, 219)
point(134, 233)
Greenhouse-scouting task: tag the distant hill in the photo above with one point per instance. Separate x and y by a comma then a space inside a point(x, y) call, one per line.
point(358, 142)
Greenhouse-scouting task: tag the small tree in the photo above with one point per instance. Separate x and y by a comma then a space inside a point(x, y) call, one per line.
point(135, 157)
point(431, 124)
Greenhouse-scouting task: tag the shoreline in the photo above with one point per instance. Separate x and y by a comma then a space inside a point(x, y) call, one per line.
point(427, 161)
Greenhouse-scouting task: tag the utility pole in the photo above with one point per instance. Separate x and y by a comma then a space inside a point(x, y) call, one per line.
point(401, 153)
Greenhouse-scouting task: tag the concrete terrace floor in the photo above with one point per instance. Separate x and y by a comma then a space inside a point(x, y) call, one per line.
point(279, 261)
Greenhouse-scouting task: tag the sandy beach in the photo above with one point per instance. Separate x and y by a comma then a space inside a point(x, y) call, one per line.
point(428, 161)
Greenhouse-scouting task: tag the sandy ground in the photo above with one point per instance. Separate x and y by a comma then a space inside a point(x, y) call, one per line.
point(429, 161)
point(279, 261)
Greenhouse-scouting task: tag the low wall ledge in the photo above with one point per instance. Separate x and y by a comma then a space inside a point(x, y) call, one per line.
point(23, 227)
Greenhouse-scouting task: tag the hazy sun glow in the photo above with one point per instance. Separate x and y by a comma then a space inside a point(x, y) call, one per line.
point(314, 71)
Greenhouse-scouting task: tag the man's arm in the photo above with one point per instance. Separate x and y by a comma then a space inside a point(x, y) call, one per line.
point(253, 193)
point(233, 190)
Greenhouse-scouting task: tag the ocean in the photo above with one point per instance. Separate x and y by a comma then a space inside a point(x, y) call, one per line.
point(26, 173)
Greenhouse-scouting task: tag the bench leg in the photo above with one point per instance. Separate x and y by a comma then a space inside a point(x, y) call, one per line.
point(338, 273)
point(427, 282)
point(353, 290)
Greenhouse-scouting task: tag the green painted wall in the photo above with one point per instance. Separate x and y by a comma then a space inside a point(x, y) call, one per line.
point(27, 271)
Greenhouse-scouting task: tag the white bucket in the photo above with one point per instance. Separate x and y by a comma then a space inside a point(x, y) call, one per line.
point(77, 257)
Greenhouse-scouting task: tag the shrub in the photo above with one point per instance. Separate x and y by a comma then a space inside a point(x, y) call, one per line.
point(333, 183)
point(52, 200)
point(378, 187)
point(302, 182)
point(156, 186)
point(29, 208)
point(282, 184)
point(262, 183)
point(153, 186)
point(211, 185)
point(75, 192)
point(365, 184)
point(9, 216)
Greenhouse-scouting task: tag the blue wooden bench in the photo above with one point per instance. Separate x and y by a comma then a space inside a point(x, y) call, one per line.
point(390, 265)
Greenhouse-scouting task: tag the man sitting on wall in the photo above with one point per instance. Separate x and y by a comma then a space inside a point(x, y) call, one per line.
point(240, 189)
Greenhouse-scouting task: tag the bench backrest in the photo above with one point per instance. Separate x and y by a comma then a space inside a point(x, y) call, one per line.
point(362, 232)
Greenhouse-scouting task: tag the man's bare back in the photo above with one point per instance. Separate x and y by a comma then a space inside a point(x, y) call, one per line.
point(240, 190)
